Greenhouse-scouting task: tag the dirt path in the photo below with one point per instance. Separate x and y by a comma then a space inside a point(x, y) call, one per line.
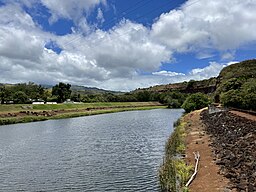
point(246, 115)
point(208, 178)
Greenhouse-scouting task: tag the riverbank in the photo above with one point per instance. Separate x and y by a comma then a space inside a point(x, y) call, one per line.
point(191, 135)
point(226, 143)
point(12, 114)
point(208, 177)
point(174, 172)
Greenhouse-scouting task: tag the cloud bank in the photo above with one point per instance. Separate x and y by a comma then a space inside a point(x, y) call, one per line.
point(127, 56)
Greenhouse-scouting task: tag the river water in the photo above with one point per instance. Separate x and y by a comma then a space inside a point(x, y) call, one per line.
point(109, 152)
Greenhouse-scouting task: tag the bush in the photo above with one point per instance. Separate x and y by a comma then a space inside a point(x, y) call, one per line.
point(243, 97)
point(195, 101)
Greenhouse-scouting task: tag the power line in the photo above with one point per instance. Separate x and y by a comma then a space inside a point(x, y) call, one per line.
point(139, 17)
point(125, 12)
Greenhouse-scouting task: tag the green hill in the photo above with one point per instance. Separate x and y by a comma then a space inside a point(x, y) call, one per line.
point(234, 87)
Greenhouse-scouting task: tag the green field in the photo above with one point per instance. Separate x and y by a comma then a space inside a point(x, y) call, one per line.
point(69, 110)
point(41, 107)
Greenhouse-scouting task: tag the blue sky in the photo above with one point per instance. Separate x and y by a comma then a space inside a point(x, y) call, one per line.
point(120, 44)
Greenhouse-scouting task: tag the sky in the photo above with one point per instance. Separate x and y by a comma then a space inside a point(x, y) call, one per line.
point(123, 45)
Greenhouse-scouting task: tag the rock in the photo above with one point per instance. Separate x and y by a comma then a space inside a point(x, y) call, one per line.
point(234, 145)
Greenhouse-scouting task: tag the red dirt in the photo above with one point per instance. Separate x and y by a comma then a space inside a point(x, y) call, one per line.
point(208, 178)
point(246, 115)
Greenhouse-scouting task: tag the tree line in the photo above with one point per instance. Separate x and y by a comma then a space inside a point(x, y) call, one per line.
point(29, 92)
point(24, 93)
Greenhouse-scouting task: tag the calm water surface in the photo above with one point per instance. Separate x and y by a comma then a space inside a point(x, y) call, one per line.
point(110, 152)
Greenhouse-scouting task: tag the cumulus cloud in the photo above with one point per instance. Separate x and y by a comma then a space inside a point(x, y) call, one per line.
point(166, 77)
point(117, 59)
point(167, 73)
point(211, 70)
point(71, 9)
point(123, 52)
point(222, 25)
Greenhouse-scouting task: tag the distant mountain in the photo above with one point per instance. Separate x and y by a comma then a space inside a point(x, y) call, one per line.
point(86, 90)
point(77, 89)
point(91, 90)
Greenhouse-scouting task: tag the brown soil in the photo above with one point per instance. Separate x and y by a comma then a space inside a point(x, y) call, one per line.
point(245, 115)
point(208, 178)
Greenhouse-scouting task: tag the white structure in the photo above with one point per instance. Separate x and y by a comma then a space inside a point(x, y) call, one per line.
point(51, 103)
point(38, 103)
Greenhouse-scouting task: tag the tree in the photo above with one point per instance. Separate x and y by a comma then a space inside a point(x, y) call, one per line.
point(195, 101)
point(143, 96)
point(20, 97)
point(62, 91)
point(5, 94)
point(243, 97)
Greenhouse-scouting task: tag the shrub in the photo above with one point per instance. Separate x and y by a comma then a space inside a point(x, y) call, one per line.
point(195, 101)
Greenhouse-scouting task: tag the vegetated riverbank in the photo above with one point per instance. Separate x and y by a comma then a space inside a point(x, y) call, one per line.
point(234, 147)
point(11, 114)
point(189, 137)
point(174, 172)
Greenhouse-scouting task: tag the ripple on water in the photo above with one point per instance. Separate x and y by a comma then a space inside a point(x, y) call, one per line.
point(111, 152)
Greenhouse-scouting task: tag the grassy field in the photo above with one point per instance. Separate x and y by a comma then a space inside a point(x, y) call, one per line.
point(44, 107)
point(11, 114)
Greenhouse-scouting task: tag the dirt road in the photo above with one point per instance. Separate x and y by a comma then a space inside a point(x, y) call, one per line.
point(208, 178)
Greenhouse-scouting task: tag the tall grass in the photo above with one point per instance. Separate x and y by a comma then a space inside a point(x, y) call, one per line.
point(174, 173)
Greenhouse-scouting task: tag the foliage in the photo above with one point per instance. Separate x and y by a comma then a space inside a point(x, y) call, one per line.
point(172, 99)
point(174, 173)
point(237, 87)
point(21, 92)
point(183, 171)
point(20, 97)
point(195, 101)
point(242, 96)
point(62, 91)
point(245, 69)
point(143, 95)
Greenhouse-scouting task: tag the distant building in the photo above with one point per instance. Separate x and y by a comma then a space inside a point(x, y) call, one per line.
point(68, 101)
point(9, 102)
point(38, 102)
point(51, 103)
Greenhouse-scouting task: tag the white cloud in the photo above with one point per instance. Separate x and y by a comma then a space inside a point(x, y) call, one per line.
point(12, 15)
point(167, 73)
point(100, 16)
point(70, 9)
point(221, 24)
point(115, 59)
point(211, 70)
point(123, 52)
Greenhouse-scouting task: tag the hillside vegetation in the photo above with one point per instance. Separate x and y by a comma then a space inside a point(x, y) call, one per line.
point(237, 86)
point(234, 87)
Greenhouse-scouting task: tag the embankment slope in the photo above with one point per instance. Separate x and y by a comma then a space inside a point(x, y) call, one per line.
point(234, 147)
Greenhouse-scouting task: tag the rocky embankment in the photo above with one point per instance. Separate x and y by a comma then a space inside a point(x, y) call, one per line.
point(234, 145)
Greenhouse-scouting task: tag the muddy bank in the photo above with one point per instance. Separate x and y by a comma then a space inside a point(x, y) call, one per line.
point(234, 146)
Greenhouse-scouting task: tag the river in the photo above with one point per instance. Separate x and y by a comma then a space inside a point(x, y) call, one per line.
point(109, 152)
